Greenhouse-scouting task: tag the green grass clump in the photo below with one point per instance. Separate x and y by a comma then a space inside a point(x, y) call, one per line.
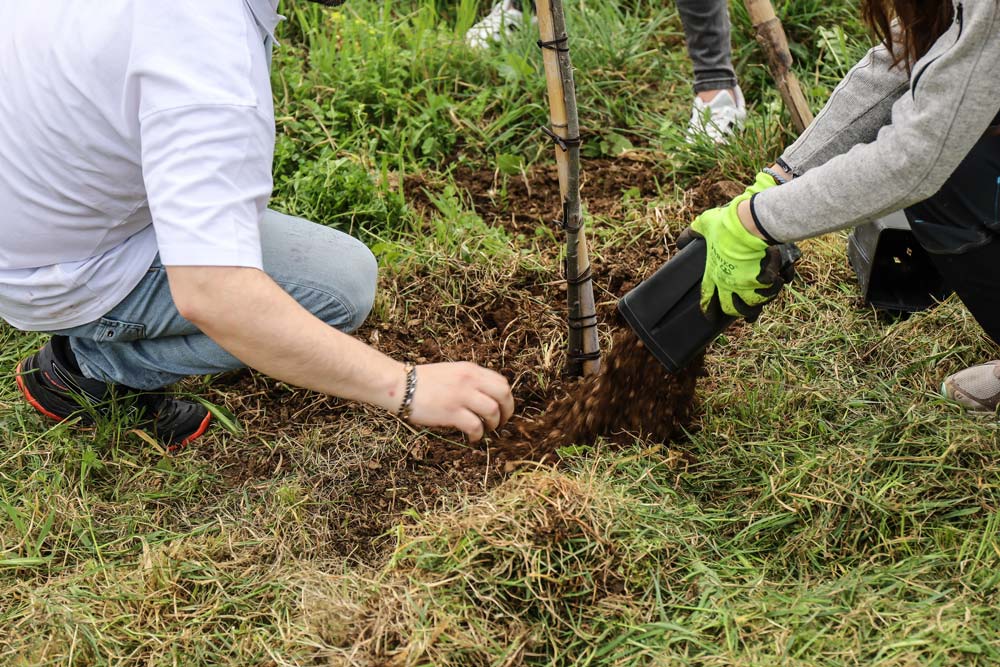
point(610, 563)
point(341, 193)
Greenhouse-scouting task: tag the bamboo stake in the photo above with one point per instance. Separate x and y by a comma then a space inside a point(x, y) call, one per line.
point(583, 356)
point(771, 37)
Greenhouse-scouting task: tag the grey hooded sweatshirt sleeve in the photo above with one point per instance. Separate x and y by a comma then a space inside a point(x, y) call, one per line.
point(886, 140)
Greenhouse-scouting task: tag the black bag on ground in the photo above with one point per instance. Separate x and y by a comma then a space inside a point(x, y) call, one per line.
point(895, 273)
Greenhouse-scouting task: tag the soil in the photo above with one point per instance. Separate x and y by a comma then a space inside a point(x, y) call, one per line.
point(633, 395)
point(523, 202)
point(514, 324)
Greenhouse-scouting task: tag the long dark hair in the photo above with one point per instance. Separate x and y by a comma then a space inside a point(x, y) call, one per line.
point(922, 22)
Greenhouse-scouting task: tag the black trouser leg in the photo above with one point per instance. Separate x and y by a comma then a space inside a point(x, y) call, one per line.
point(707, 32)
point(975, 277)
point(959, 226)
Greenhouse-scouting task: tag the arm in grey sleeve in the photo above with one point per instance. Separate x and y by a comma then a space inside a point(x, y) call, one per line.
point(951, 101)
point(859, 106)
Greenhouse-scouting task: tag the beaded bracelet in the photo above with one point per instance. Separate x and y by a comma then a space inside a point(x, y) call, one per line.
point(779, 179)
point(406, 407)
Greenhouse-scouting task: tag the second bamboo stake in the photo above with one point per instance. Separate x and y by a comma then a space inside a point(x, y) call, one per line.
point(771, 37)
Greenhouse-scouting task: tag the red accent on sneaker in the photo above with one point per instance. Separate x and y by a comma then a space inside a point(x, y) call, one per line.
point(194, 436)
point(54, 381)
point(32, 401)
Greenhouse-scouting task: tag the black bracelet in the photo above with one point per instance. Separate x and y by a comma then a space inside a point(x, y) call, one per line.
point(784, 165)
point(406, 407)
point(760, 228)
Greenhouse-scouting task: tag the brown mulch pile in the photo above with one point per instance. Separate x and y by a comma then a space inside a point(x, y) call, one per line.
point(633, 394)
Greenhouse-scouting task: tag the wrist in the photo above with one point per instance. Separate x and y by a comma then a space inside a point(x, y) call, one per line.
point(405, 410)
point(778, 178)
point(390, 389)
point(781, 172)
point(745, 216)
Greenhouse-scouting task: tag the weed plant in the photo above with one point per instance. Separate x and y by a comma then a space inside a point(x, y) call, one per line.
point(827, 508)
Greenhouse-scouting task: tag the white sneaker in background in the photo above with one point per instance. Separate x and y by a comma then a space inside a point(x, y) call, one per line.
point(719, 118)
point(502, 21)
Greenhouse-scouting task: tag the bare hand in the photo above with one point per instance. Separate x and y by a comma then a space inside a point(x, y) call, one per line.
point(461, 395)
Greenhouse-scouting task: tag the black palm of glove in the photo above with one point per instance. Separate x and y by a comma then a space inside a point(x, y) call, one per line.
point(742, 272)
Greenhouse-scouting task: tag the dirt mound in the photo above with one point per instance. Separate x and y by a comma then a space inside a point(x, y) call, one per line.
point(633, 394)
point(520, 203)
point(373, 469)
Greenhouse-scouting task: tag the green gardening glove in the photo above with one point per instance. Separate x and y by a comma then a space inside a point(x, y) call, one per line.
point(742, 272)
point(761, 182)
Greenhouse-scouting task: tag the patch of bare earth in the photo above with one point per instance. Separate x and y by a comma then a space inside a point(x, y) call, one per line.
point(377, 468)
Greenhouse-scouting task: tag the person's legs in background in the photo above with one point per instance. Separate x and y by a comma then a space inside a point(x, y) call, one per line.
point(960, 228)
point(719, 107)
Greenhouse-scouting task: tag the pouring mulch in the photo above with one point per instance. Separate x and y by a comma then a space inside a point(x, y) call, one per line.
point(633, 394)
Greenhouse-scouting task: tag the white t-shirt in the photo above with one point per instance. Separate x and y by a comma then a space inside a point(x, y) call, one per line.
point(127, 128)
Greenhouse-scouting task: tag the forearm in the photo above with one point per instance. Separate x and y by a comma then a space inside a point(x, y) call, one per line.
point(252, 318)
point(743, 211)
point(858, 107)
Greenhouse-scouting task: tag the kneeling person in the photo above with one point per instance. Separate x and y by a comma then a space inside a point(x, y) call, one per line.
point(136, 141)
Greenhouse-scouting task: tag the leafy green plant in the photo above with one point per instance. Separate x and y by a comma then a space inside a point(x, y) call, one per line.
point(463, 234)
point(342, 193)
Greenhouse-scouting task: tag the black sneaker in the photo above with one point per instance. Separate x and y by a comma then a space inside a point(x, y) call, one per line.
point(52, 383)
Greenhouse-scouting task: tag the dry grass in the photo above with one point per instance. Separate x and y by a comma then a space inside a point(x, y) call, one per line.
point(546, 568)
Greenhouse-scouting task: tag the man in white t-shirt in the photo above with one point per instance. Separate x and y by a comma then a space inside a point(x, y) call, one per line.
point(136, 139)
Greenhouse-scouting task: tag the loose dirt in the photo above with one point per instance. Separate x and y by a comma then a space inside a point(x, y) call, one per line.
point(373, 469)
point(522, 202)
point(633, 395)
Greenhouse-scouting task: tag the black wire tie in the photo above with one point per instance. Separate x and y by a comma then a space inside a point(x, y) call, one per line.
point(582, 278)
point(564, 225)
point(563, 142)
point(558, 44)
point(580, 326)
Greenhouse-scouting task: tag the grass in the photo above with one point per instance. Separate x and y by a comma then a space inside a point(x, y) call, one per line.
point(827, 509)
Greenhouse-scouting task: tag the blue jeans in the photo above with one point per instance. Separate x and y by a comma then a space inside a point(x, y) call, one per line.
point(144, 343)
